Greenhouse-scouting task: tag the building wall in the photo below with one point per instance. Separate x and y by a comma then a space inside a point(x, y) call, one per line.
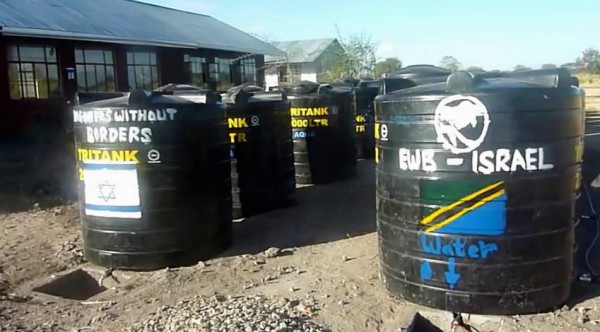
point(260, 73)
point(171, 65)
point(309, 72)
point(271, 80)
point(300, 72)
point(326, 59)
point(4, 97)
point(20, 115)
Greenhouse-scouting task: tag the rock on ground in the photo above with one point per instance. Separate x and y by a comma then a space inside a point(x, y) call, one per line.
point(245, 313)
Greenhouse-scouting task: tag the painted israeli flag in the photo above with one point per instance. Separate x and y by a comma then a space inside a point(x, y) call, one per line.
point(112, 190)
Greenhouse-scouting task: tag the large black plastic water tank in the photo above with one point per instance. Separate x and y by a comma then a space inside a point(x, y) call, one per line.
point(153, 179)
point(476, 183)
point(262, 153)
point(366, 91)
point(323, 132)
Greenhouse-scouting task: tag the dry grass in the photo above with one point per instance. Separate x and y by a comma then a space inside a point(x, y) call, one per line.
point(591, 84)
point(588, 79)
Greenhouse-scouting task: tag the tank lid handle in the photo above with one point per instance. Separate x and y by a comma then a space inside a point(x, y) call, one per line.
point(139, 98)
point(389, 85)
point(212, 97)
point(323, 87)
point(241, 96)
point(76, 101)
point(460, 81)
point(554, 78)
point(269, 96)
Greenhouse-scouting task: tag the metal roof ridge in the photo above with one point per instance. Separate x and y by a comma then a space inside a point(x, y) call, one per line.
point(170, 8)
point(304, 40)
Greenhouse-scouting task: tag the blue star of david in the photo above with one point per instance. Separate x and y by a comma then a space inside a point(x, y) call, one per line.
point(107, 191)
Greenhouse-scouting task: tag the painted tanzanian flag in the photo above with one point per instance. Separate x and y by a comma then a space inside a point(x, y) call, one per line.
point(465, 206)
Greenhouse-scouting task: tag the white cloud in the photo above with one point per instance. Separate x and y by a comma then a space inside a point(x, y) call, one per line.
point(385, 49)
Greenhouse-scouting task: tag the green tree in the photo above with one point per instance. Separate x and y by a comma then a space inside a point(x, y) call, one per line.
point(450, 63)
point(521, 68)
point(590, 60)
point(356, 57)
point(387, 66)
point(548, 66)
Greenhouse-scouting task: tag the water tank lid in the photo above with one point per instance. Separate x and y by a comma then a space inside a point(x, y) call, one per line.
point(111, 102)
point(369, 83)
point(142, 98)
point(177, 87)
point(337, 87)
point(245, 87)
point(464, 82)
point(304, 88)
point(420, 70)
point(243, 97)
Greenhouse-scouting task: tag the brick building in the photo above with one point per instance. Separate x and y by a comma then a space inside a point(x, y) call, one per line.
point(50, 49)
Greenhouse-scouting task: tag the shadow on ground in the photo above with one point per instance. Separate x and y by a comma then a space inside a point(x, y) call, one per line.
point(587, 256)
point(324, 213)
point(37, 169)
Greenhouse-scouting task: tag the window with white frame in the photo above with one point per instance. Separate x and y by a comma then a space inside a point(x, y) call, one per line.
point(95, 70)
point(196, 69)
point(248, 70)
point(33, 72)
point(142, 70)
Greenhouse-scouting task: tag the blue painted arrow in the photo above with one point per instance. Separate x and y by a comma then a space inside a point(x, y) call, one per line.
point(451, 276)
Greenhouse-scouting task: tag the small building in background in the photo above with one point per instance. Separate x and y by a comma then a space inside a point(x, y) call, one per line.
point(53, 48)
point(573, 67)
point(306, 60)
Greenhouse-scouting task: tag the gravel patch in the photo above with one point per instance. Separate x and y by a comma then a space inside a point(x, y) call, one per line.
point(71, 251)
point(248, 313)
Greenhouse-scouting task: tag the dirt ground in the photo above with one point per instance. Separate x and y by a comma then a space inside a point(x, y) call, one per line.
point(330, 253)
point(331, 256)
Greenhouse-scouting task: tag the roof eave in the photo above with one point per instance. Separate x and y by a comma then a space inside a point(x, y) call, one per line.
point(37, 33)
point(274, 52)
point(271, 62)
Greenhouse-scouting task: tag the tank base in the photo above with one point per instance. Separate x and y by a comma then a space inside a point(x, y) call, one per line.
point(237, 213)
point(304, 179)
point(155, 261)
point(249, 211)
point(536, 301)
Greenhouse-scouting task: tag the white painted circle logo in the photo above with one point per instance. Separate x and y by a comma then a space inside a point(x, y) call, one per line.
point(153, 156)
point(461, 123)
point(254, 120)
point(384, 132)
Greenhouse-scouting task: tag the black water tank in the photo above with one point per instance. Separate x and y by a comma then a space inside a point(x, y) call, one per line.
point(366, 91)
point(411, 76)
point(476, 182)
point(154, 182)
point(262, 164)
point(323, 132)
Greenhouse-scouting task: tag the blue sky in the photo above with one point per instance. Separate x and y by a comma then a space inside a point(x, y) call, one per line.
point(493, 34)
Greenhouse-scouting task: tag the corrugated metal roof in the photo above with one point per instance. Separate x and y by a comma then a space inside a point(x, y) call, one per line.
point(126, 22)
point(299, 51)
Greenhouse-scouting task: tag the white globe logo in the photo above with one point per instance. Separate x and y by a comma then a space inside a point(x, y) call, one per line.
point(453, 116)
